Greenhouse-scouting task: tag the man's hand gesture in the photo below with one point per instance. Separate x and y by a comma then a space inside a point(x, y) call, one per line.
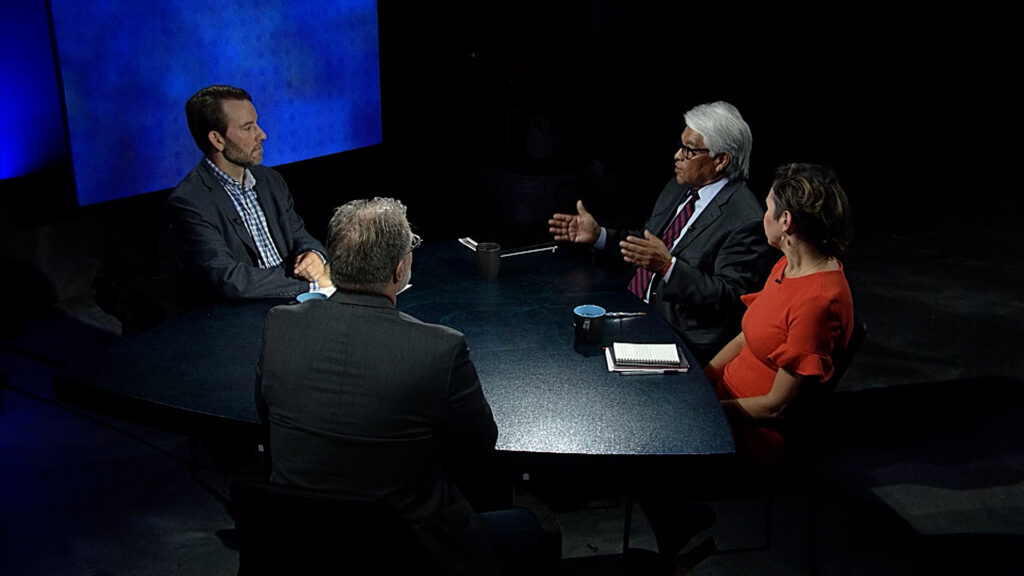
point(648, 252)
point(580, 228)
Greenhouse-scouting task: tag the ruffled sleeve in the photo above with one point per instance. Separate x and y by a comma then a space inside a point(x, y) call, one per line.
point(802, 362)
point(810, 340)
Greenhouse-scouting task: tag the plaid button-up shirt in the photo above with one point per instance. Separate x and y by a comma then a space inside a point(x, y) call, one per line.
point(243, 196)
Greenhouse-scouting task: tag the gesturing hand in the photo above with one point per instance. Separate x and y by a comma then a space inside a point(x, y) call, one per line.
point(580, 228)
point(649, 252)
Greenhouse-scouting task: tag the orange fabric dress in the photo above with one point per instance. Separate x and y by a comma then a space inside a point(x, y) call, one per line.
point(792, 323)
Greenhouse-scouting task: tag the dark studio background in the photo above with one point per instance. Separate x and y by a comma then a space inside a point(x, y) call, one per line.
point(497, 113)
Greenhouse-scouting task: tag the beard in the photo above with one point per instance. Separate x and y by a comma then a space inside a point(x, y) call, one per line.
point(236, 155)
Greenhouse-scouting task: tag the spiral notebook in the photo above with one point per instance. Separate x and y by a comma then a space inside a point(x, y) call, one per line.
point(628, 357)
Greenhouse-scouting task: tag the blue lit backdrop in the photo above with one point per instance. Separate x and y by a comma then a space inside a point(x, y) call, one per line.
point(128, 67)
point(31, 129)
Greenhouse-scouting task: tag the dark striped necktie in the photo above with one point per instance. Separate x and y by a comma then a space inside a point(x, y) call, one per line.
point(642, 278)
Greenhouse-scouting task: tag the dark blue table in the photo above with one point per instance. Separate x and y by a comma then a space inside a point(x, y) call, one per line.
point(559, 411)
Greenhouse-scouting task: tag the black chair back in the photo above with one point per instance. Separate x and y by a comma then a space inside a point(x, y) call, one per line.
point(803, 417)
point(845, 358)
point(807, 417)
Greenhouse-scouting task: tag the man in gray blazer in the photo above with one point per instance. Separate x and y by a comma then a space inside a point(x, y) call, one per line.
point(703, 245)
point(235, 229)
point(365, 399)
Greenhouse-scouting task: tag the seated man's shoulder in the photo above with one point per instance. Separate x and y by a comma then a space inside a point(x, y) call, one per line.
point(285, 316)
point(440, 332)
point(191, 187)
point(746, 203)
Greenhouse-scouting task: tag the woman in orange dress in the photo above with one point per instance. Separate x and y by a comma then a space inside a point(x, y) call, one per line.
point(791, 331)
point(799, 321)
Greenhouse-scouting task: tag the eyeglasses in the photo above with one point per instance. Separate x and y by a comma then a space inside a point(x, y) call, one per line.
point(415, 243)
point(689, 153)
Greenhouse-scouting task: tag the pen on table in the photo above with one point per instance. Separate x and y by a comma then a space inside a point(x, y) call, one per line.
point(624, 314)
point(649, 372)
point(529, 250)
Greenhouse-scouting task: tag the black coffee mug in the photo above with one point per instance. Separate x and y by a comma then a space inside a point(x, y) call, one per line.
point(588, 322)
point(488, 260)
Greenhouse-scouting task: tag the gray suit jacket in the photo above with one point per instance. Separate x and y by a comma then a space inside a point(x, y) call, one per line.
point(215, 250)
point(724, 254)
point(365, 399)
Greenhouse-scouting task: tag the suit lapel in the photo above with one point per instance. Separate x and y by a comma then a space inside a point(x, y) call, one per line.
point(227, 207)
point(273, 222)
point(706, 218)
point(662, 220)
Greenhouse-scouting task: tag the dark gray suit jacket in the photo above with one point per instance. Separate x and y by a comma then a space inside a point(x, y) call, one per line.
point(215, 250)
point(723, 254)
point(365, 399)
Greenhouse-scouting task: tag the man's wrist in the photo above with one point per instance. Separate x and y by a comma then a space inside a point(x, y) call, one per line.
point(667, 270)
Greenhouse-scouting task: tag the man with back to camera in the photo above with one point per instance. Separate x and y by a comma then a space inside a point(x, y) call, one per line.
point(703, 246)
point(235, 228)
point(364, 399)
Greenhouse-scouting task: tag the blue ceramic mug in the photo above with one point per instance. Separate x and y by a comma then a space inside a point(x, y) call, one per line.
point(311, 296)
point(588, 323)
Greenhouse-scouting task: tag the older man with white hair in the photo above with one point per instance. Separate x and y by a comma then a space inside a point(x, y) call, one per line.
point(703, 245)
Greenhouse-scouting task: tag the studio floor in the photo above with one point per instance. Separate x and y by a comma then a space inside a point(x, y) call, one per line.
point(925, 472)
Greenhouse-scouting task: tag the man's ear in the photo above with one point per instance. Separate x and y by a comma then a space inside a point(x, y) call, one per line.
point(721, 161)
point(216, 140)
point(399, 273)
